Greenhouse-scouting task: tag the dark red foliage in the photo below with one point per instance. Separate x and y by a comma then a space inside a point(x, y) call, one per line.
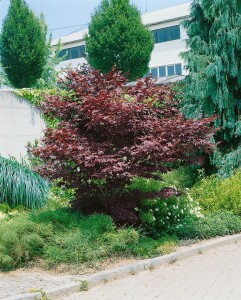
point(113, 133)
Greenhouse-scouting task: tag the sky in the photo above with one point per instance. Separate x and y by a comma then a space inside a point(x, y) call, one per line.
point(77, 13)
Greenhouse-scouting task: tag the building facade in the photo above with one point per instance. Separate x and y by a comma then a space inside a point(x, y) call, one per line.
point(169, 35)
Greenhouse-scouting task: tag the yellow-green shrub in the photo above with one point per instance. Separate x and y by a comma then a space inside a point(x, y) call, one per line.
point(215, 194)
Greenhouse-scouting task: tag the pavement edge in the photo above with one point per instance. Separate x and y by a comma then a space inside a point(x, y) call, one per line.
point(84, 283)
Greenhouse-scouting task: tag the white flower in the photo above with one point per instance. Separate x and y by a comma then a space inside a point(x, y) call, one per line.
point(179, 225)
point(189, 198)
point(199, 215)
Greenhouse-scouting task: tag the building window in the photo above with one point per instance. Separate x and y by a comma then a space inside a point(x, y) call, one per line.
point(72, 53)
point(166, 34)
point(165, 71)
point(154, 72)
point(169, 34)
point(178, 69)
point(160, 36)
point(170, 70)
point(162, 71)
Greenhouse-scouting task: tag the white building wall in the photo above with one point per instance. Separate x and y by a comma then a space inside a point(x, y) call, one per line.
point(20, 123)
point(164, 54)
point(168, 53)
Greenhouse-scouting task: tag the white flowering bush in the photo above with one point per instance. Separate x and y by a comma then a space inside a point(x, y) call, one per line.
point(169, 211)
point(159, 215)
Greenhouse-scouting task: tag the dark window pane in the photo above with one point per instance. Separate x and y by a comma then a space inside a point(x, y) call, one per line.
point(82, 51)
point(65, 53)
point(178, 68)
point(154, 32)
point(154, 72)
point(170, 70)
point(172, 33)
point(72, 53)
point(160, 35)
point(61, 53)
point(176, 33)
point(162, 71)
point(168, 34)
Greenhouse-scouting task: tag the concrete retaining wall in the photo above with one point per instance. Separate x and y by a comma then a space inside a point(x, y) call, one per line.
point(20, 123)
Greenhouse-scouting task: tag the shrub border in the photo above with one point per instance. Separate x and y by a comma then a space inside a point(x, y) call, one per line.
point(130, 269)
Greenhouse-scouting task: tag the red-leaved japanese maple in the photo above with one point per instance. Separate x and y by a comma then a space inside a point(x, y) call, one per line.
point(111, 133)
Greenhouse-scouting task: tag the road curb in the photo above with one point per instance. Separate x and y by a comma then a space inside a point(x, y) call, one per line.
point(87, 282)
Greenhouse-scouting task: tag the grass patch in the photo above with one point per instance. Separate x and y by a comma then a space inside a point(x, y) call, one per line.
point(84, 286)
point(21, 240)
point(85, 239)
point(214, 224)
point(148, 247)
point(61, 236)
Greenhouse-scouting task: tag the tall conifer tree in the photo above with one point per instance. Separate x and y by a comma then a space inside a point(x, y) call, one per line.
point(23, 46)
point(118, 37)
point(214, 84)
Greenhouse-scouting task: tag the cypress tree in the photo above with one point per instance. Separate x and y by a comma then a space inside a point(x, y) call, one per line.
point(214, 83)
point(117, 37)
point(23, 46)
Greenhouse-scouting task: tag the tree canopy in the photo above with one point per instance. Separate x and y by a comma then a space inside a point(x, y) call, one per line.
point(23, 46)
point(117, 37)
point(214, 84)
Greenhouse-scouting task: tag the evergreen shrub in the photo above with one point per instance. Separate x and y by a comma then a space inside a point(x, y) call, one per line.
point(214, 84)
point(117, 37)
point(23, 47)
